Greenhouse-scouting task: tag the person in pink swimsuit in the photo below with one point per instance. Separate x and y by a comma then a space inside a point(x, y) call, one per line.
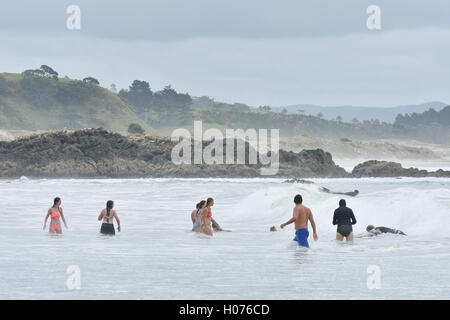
point(55, 212)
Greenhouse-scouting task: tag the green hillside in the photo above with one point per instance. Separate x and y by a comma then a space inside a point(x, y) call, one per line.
point(33, 101)
point(40, 100)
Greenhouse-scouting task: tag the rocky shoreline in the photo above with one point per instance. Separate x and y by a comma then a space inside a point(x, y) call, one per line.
point(95, 153)
point(92, 153)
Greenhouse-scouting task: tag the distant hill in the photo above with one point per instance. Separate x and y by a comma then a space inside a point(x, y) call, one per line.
point(348, 113)
point(33, 101)
point(40, 100)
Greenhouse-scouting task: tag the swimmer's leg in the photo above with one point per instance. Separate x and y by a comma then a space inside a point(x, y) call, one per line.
point(339, 236)
point(350, 237)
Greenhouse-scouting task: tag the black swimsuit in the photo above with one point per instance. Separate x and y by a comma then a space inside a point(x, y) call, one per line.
point(107, 228)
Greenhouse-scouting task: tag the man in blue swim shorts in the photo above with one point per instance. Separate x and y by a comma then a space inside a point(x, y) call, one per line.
point(301, 215)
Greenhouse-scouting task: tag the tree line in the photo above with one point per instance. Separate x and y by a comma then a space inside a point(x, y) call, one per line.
point(140, 96)
point(428, 117)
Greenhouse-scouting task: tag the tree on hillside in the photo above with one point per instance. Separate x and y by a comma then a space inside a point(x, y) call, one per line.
point(113, 88)
point(92, 81)
point(284, 111)
point(355, 120)
point(134, 128)
point(426, 118)
point(168, 98)
point(264, 108)
point(339, 119)
point(320, 115)
point(33, 73)
point(49, 72)
point(139, 96)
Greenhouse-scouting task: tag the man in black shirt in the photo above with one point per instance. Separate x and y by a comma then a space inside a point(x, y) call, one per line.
point(344, 218)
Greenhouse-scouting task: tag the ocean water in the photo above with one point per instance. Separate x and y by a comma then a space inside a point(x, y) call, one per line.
point(156, 256)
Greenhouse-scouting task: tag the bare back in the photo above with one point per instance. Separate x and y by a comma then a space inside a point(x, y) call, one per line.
point(108, 219)
point(303, 214)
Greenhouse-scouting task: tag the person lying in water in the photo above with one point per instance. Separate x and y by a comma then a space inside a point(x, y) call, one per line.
point(375, 231)
point(55, 212)
point(351, 193)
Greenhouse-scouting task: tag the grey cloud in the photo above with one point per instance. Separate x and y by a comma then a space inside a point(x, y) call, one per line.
point(389, 68)
point(181, 19)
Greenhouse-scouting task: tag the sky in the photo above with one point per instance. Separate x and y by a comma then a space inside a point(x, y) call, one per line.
point(257, 52)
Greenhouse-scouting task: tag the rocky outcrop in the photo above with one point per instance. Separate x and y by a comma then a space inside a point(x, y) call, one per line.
point(297, 180)
point(99, 153)
point(374, 168)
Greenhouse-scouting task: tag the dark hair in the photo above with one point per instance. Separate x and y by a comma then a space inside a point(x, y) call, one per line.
point(342, 203)
point(208, 201)
point(356, 191)
point(109, 205)
point(298, 199)
point(56, 200)
point(370, 227)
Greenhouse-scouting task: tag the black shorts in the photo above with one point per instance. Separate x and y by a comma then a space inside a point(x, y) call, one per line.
point(345, 230)
point(107, 228)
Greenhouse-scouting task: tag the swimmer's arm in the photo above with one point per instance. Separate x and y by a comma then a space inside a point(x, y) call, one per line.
point(62, 217)
point(363, 235)
point(193, 216)
point(118, 220)
point(46, 218)
point(352, 217)
point(313, 224)
point(294, 217)
point(100, 216)
point(334, 218)
point(214, 222)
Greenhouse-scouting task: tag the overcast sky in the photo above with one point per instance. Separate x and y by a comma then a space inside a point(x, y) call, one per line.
point(258, 52)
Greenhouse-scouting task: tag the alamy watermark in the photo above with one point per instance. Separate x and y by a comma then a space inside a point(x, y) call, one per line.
point(373, 21)
point(374, 278)
point(73, 282)
point(259, 151)
point(73, 22)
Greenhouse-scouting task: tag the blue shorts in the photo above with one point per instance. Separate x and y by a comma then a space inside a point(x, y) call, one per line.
point(301, 236)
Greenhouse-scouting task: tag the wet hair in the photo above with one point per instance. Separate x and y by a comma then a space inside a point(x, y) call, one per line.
point(272, 229)
point(56, 200)
point(208, 201)
point(109, 205)
point(356, 191)
point(200, 204)
point(370, 227)
point(298, 199)
point(342, 203)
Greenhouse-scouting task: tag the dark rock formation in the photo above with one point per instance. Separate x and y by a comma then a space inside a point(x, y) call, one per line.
point(374, 168)
point(297, 180)
point(99, 153)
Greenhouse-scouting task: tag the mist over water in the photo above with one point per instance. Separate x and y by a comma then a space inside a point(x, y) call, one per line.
point(156, 256)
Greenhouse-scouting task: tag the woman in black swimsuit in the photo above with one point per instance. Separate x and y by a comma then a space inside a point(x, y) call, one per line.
point(344, 218)
point(108, 215)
